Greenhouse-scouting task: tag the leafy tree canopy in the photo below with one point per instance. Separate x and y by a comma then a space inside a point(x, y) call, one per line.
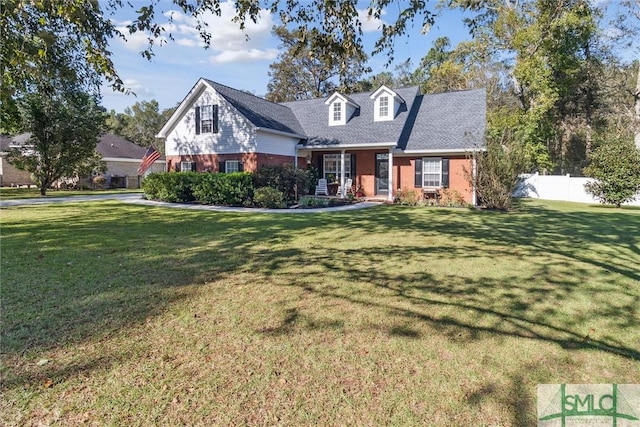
point(304, 70)
point(615, 166)
point(139, 123)
point(65, 127)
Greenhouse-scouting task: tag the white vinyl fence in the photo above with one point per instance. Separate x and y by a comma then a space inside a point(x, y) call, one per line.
point(558, 187)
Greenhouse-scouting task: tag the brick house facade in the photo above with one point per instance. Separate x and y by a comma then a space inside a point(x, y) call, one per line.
point(385, 141)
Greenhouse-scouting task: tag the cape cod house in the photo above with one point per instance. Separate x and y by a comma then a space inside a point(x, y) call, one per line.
point(385, 140)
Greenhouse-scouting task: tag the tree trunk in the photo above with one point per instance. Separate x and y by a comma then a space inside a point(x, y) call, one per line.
point(43, 189)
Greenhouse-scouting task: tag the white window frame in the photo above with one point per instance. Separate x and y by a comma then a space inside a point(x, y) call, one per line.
point(192, 166)
point(206, 119)
point(384, 106)
point(229, 169)
point(331, 166)
point(432, 167)
point(337, 111)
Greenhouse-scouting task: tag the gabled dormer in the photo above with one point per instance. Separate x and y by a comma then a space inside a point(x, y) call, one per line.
point(341, 108)
point(386, 104)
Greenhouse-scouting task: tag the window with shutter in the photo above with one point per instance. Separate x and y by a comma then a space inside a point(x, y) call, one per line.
point(206, 119)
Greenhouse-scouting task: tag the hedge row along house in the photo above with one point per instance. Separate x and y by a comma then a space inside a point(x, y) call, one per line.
point(385, 141)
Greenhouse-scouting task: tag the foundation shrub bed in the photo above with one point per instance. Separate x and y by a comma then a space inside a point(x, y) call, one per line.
point(291, 182)
point(267, 197)
point(171, 187)
point(231, 189)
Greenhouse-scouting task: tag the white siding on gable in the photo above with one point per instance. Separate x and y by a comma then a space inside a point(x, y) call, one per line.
point(236, 134)
point(270, 143)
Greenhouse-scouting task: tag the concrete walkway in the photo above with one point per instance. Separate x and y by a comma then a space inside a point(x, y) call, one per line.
point(136, 199)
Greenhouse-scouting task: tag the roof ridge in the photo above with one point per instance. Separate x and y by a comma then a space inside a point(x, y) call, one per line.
point(245, 93)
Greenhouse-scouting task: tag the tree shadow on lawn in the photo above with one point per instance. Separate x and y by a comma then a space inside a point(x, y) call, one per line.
point(90, 271)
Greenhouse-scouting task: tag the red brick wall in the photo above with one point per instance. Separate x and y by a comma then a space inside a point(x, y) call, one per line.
point(403, 168)
point(251, 161)
point(404, 173)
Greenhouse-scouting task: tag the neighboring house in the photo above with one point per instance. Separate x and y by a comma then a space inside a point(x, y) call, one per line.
point(384, 141)
point(121, 156)
point(10, 176)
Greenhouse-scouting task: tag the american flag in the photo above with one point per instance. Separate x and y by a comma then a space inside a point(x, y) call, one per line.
point(149, 157)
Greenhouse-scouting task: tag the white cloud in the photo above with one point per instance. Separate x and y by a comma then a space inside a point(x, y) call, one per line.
point(186, 42)
point(250, 55)
point(137, 87)
point(228, 43)
point(370, 23)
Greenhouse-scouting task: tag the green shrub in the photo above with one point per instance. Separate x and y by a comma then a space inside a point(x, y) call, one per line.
point(407, 197)
point(171, 187)
point(267, 197)
point(312, 202)
point(232, 189)
point(287, 179)
point(452, 198)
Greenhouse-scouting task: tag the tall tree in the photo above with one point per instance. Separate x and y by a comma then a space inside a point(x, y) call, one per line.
point(142, 123)
point(306, 71)
point(30, 29)
point(64, 127)
point(550, 49)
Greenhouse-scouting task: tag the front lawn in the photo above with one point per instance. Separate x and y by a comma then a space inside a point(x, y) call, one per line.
point(116, 314)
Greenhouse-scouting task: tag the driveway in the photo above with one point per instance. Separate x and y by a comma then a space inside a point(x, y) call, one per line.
point(136, 199)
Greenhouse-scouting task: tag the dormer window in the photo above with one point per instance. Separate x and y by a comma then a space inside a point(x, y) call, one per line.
point(337, 111)
point(384, 106)
point(340, 108)
point(387, 104)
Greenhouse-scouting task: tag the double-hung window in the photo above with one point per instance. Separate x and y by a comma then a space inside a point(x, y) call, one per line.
point(331, 167)
point(206, 119)
point(231, 166)
point(384, 106)
point(432, 172)
point(187, 166)
point(337, 111)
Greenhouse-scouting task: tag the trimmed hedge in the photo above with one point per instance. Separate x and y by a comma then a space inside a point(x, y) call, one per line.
point(174, 187)
point(211, 188)
point(233, 189)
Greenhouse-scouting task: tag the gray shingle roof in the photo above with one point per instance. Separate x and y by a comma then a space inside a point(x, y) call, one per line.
point(446, 121)
point(360, 129)
point(259, 111)
point(116, 147)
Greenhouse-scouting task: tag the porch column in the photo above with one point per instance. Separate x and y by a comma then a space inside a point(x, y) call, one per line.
point(295, 159)
point(390, 195)
point(474, 200)
point(342, 172)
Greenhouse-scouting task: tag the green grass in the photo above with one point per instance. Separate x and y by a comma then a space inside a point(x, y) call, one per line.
point(130, 315)
point(9, 193)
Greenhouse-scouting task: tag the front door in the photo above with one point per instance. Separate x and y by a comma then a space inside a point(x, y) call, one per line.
point(382, 173)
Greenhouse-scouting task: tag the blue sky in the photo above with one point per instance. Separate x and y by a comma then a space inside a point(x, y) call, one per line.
point(231, 59)
point(236, 62)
